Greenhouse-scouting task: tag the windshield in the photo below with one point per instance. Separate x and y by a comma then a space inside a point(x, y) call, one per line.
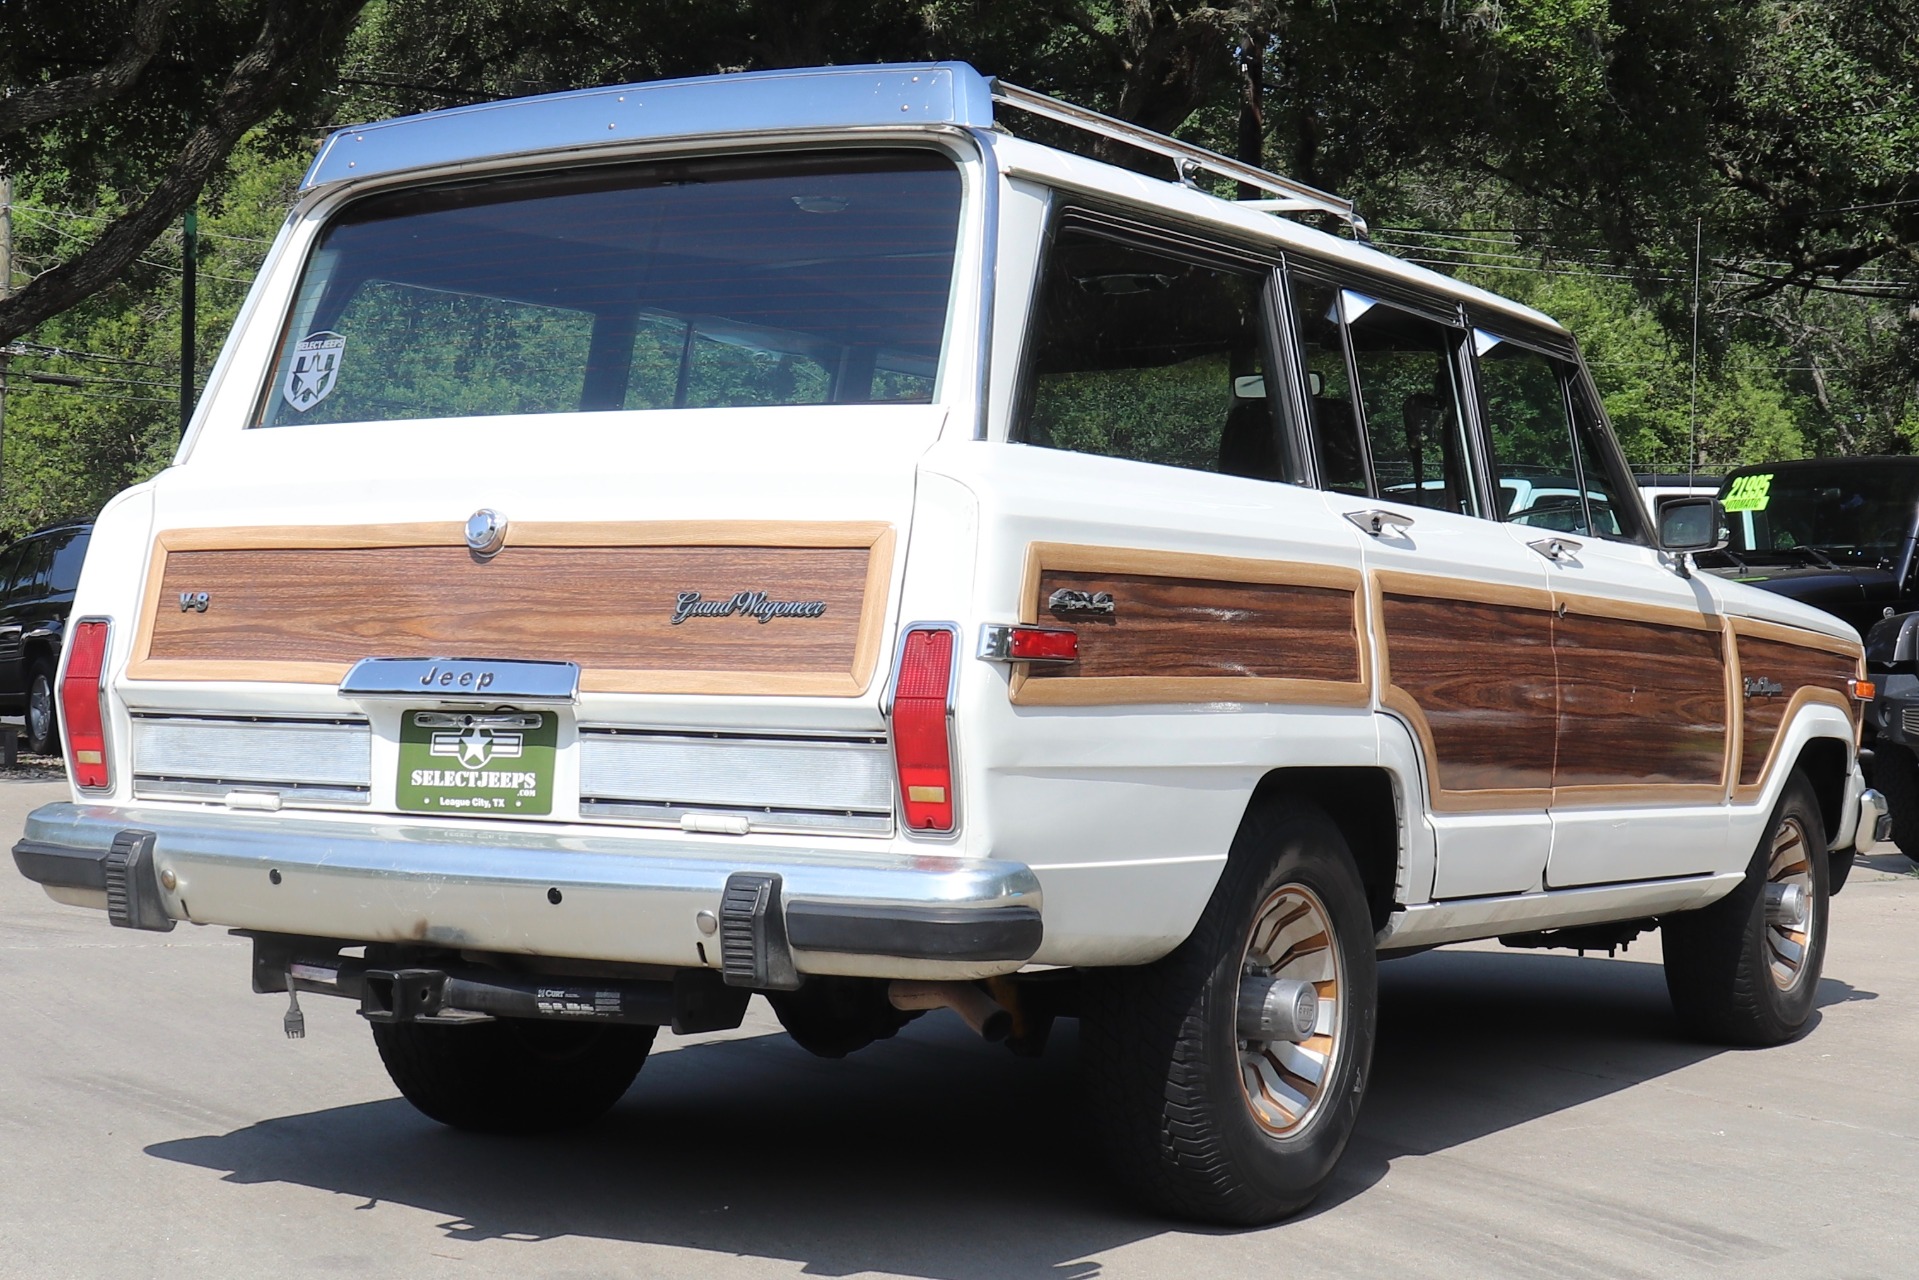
point(810, 280)
point(1843, 514)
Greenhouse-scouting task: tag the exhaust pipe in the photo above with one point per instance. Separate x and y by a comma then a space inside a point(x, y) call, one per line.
point(990, 1019)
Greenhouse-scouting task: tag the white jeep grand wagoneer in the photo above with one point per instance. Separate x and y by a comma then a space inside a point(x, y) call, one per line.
point(785, 534)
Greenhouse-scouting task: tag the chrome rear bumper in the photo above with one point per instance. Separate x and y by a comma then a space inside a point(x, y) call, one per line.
point(637, 899)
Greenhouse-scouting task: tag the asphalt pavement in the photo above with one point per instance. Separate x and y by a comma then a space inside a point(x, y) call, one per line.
point(1531, 1114)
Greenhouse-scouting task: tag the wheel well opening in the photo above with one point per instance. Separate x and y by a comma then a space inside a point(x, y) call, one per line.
point(1824, 762)
point(1362, 803)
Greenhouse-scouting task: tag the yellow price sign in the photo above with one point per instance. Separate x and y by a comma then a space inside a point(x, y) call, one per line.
point(1748, 493)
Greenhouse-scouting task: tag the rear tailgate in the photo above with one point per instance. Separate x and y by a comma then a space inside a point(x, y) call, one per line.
point(725, 586)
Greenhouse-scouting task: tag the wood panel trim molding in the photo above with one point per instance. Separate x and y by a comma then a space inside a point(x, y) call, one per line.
point(1547, 600)
point(878, 539)
point(1393, 698)
point(1762, 629)
point(1802, 697)
point(1086, 691)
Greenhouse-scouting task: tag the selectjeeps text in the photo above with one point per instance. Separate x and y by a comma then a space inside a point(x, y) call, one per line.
point(786, 534)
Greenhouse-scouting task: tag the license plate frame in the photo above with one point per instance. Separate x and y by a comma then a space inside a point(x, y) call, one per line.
point(477, 764)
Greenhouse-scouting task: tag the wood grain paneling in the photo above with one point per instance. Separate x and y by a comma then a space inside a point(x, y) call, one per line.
point(1476, 680)
point(1641, 704)
point(1804, 673)
point(282, 611)
point(1197, 628)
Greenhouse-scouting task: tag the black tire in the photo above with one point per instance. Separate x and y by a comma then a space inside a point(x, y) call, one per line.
point(43, 717)
point(1723, 970)
point(1895, 774)
point(516, 1075)
point(1161, 1052)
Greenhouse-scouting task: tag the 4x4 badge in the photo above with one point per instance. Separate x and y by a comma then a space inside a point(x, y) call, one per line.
point(1067, 600)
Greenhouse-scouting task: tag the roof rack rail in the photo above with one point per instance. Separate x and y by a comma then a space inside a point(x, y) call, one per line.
point(1188, 159)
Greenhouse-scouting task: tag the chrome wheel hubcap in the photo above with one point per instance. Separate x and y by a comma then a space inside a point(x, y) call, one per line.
point(1790, 918)
point(1284, 1083)
point(40, 710)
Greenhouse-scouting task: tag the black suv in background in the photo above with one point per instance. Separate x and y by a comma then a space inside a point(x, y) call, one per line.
point(1836, 533)
point(37, 576)
point(1842, 534)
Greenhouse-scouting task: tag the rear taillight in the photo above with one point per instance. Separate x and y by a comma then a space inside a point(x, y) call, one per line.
point(81, 704)
point(922, 745)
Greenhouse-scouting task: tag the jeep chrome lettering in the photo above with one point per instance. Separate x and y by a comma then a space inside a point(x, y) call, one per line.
point(435, 677)
point(752, 604)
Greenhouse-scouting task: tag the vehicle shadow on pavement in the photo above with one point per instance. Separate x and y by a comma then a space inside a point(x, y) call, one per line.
point(935, 1155)
point(1474, 1042)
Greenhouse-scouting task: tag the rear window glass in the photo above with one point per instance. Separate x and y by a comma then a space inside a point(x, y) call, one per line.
point(810, 280)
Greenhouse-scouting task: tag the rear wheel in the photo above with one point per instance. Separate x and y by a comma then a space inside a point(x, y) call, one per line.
point(1745, 970)
point(1200, 1118)
point(515, 1075)
point(43, 722)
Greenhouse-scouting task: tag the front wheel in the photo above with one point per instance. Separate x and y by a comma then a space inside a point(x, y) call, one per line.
point(43, 723)
point(516, 1075)
point(1202, 1117)
point(1745, 970)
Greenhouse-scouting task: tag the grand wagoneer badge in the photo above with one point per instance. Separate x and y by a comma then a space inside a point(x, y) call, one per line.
point(749, 604)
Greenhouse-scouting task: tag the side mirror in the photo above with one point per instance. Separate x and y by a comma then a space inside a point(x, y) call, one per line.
point(1689, 522)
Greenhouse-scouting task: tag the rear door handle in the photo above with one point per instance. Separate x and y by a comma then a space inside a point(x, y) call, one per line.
point(1556, 550)
point(1376, 522)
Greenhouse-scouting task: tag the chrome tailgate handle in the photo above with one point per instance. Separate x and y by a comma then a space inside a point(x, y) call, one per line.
point(1376, 522)
point(488, 681)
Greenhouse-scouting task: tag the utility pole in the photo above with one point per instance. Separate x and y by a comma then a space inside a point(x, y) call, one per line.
point(1692, 428)
point(6, 290)
point(189, 302)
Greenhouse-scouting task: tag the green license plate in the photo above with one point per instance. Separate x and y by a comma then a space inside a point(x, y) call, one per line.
point(478, 762)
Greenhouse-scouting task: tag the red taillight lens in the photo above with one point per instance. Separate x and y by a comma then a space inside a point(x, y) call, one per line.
point(80, 704)
point(922, 751)
point(1042, 644)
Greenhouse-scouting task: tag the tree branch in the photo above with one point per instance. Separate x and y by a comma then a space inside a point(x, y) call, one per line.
point(294, 32)
point(30, 107)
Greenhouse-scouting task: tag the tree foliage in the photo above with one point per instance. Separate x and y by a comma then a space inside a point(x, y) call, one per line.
point(1620, 163)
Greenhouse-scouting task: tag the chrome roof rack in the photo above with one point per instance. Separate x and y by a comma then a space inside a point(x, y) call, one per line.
point(1188, 159)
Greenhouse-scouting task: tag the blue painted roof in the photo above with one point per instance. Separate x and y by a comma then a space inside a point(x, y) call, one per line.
point(754, 101)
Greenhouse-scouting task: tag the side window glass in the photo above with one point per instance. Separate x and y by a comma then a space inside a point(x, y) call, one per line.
point(1613, 516)
point(1334, 422)
point(1144, 356)
point(1409, 393)
point(10, 568)
point(30, 583)
point(1534, 470)
point(67, 559)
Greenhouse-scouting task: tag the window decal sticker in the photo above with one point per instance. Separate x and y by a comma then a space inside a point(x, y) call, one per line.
point(1749, 493)
point(315, 369)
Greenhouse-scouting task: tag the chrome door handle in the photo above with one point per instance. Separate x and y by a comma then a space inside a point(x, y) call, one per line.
point(1556, 549)
point(1376, 522)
